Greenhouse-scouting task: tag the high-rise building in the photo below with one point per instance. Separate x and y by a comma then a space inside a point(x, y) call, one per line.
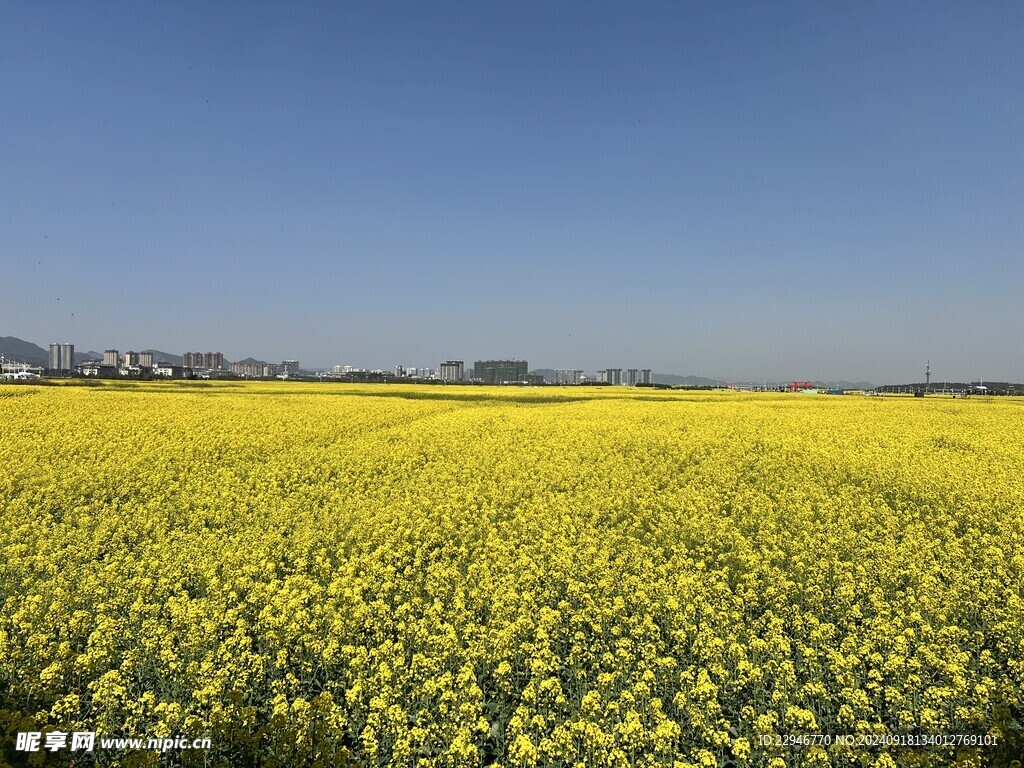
point(500, 371)
point(131, 359)
point(146, 359)
point(613, 376)
point(452, 370)
point(568, 376)
point(212, 360)
point(111, 357)
point(645, 375)
point(290, 367)
point(62, 357)
point(632, 376)
point(250, 368)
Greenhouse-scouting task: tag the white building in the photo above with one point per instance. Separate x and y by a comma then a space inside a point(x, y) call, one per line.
point(62, 357)
point(452, 370)
point(568, 376)
point(170, 371)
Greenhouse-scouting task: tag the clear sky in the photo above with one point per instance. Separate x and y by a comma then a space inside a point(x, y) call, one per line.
point(735, 190)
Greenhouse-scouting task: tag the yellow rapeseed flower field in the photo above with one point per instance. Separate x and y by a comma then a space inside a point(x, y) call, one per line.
point(334, 575)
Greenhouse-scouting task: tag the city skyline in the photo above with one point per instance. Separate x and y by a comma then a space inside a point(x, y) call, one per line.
point(743, 191)
point(632, 375)
point(163, 364)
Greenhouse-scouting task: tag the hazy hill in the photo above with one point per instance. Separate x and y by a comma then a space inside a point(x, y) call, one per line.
point(158, 356)
point(23, 351)
point(684, 381)
point(26, 352)
point(164, 357)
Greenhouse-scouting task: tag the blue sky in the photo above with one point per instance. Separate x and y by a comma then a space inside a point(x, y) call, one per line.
point(734, 190)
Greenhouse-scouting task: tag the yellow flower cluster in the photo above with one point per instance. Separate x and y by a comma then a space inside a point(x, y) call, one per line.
point(425, 577)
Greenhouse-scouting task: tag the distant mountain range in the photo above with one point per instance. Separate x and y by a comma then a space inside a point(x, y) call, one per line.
point(23, 351)
point(158, 356)
point(164, 357)
point(27, 352)
point(684, 381)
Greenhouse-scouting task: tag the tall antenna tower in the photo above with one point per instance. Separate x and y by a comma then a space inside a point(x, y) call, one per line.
point(928, 375)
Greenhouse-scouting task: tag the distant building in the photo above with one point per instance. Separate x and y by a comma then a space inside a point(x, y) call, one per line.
point(398, 371)
point(250, 368)
point(645, 375)
point(131, 359)
point(201, 360)
point(170, 371)
point(98, 370)
point(146, 359)
point(62, 357)
point(500, 371)
point(111, 357)
point(632, 377)
point(568, 376)
point(289, 368)
point(452, 370)
point(613, 376)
